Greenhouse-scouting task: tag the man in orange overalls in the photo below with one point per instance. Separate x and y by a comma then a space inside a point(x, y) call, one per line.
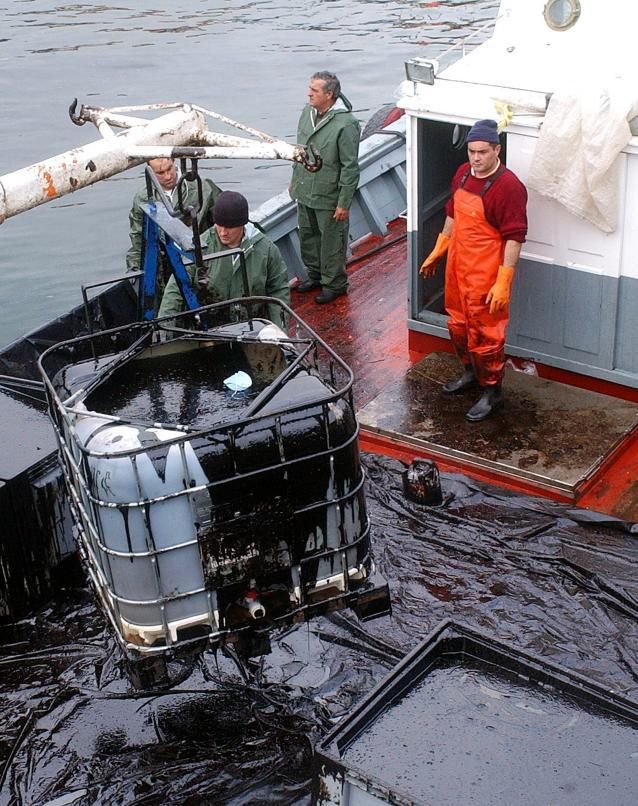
point(485, 226)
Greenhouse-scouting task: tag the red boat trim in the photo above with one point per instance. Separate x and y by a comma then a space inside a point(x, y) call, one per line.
point(373, 442)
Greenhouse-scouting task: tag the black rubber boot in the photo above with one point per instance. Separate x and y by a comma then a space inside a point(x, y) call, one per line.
point(465, 381)
point(491, 400)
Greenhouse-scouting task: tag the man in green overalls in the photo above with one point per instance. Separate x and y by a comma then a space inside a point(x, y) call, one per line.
point(167, 174)
point(324, 198)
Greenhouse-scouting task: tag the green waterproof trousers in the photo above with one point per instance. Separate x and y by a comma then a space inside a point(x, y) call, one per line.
point(323, 243)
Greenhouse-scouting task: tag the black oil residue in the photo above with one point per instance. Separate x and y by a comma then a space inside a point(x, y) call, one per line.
point(173, 390)
point(522, 569)
point(466, 733)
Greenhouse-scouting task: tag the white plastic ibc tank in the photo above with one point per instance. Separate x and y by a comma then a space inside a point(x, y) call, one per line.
point(173, 577)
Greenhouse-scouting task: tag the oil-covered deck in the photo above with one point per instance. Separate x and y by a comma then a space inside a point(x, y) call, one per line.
point(572, 444)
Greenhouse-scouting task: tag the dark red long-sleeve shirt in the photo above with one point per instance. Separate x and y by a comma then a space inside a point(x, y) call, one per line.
point(505, 202)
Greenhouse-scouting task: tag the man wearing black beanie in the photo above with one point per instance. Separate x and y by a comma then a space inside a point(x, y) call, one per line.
point(267, 275)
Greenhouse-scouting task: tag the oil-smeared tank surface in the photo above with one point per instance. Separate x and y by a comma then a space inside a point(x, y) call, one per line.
point(33, 441)
point(560, 584)
point(178, 389)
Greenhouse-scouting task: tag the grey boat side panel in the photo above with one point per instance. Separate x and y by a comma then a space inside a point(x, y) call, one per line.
point(570, 319)
point(560, 312)
point(582, 297)
point(291, 253)
point(533, 317)
point(571, 315)
point(626, 358)
point(381, 194)
point(278, 219)
point(375, 204)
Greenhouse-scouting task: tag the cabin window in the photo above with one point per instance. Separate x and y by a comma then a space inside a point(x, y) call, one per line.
point(561, 14)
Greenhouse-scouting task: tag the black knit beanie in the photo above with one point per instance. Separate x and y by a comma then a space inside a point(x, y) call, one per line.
point(231, 209)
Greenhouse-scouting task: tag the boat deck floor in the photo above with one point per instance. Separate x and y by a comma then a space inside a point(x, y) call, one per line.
point(550, 438)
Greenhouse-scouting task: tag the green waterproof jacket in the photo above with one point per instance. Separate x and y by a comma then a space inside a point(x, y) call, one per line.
point(210, 192)
point(336, 135)
point(267, 275)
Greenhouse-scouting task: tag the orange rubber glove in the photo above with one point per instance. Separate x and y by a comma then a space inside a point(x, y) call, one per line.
point(428, 267)
point(498, 297)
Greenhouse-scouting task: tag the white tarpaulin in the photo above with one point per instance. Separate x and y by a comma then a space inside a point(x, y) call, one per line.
point(576, 157)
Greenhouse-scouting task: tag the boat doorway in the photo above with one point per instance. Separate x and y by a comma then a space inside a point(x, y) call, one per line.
point(441, 149)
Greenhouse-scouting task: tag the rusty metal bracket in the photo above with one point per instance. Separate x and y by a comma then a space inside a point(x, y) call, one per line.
point(78, 117)
point(310, 158)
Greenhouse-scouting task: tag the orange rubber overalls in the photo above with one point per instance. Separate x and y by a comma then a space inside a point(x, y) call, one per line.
point(474, 256)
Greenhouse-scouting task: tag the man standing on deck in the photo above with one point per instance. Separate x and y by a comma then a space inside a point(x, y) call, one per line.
point(266, 270)
point(485, 225)
point(167, 172)
point(324, 198)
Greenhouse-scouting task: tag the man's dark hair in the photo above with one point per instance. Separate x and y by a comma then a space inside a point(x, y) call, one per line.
point(331, 82)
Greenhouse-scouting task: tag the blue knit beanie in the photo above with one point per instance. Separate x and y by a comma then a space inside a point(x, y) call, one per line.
point(483, 130)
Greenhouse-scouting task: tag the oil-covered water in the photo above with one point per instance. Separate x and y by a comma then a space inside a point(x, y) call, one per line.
point(521, 569)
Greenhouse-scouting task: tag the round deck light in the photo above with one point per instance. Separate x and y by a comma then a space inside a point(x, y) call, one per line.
point(561, 14)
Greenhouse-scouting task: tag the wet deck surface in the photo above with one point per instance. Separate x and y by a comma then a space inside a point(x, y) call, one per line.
point(547, 431)
point(368, 329)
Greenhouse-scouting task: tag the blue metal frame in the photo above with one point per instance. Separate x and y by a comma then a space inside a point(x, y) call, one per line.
point(148, 286)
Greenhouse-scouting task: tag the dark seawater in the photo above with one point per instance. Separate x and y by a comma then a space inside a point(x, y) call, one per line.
point(247, 60)
point(518, 568)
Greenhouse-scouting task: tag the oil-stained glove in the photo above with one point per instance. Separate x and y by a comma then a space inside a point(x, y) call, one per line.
point(498, 297)
point(428, 267)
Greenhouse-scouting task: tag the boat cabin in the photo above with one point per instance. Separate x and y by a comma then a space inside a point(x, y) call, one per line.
point(559, 75)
